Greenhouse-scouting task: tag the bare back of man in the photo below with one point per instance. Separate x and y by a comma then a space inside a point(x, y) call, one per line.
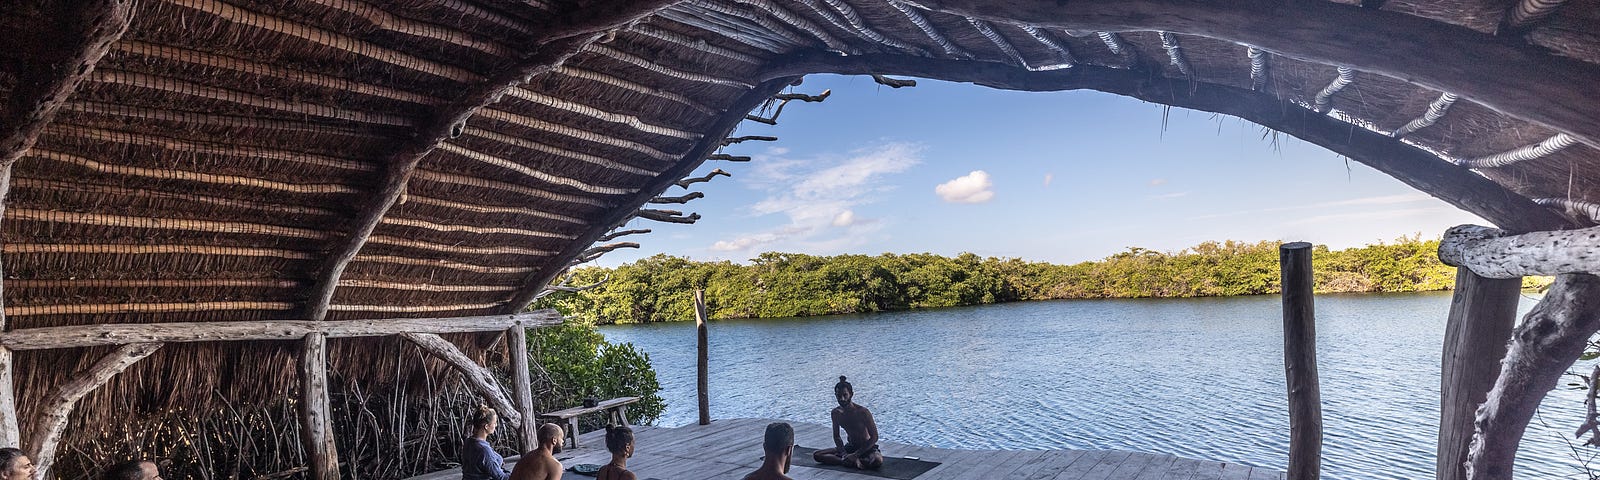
point(861, 449)
point(540, 463)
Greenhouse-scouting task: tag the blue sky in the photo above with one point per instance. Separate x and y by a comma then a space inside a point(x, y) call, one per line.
point(1061, 177)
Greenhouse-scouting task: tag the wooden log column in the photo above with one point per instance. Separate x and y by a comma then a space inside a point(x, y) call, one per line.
point(316, 423)
point(517, 344)
point(702, 380)
point(10, 434)
point(43, 87)
point(52, 421)
point(1482, 312)
point(1300, 362)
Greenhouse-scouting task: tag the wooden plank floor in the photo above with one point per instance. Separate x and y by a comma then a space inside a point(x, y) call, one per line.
point(728, 449)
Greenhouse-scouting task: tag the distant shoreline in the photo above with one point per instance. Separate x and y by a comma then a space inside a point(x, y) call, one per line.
point(777, 285)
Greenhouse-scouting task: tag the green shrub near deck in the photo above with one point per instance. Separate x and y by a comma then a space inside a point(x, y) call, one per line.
point(775, 284)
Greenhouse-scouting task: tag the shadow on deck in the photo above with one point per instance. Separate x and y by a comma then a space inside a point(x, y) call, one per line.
point(728, 449)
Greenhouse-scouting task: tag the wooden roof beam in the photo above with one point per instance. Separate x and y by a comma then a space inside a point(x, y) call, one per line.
point(1542, 149)
point(570, 35)
point(1324, 99)
point(1527, 14)
point(922, 23)
point(1258, 68)
point(42, 88)
point(718, 130)
point(1529, 83)
point(1414, 166)
point(1436, 111)
point(1169, 42)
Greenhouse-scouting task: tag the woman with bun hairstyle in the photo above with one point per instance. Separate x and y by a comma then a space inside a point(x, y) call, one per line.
point(479, 461)
point(619, 441)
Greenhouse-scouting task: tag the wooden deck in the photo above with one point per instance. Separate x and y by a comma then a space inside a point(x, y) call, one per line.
point(728, 449)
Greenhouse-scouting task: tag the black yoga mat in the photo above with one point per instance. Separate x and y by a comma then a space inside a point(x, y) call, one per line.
point(893, 467)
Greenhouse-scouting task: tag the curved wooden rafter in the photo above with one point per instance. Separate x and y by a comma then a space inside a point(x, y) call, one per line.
point(1324, 99)
point(553, 48)
point(43, 88)
point(922, 23)
point(1435, 112)
point(1531, 83)
point(539, 279)
point(1169, 42)
point(1258, 68)
point(1542, 149)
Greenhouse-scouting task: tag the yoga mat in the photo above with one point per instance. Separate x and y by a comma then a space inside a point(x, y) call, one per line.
point(893, 467)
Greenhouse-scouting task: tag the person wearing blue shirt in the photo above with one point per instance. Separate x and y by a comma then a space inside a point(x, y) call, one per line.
point(479, 461)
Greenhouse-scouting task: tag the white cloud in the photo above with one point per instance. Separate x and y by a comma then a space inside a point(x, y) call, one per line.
point(1049, 177)
point(844, 219)
point(970, 188)
point(1158, 182)
point(820, 195)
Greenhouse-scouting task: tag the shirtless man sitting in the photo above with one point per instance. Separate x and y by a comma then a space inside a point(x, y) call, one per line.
point(778, 443)
point(540, 463)
point(862, 450)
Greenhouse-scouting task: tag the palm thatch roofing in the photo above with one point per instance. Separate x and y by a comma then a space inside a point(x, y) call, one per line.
point(233, 160)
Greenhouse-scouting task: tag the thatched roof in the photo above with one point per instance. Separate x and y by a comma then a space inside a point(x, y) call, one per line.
point(329, 159)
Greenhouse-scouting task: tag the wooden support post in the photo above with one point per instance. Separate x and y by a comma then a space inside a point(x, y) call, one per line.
point(476, 376)
point(702, 379)
point(1482, 312)
point(1300, 362)
point(10, 434)
point(316, 423)
point(517, 343)
point(1547, 342)
point(52, 421)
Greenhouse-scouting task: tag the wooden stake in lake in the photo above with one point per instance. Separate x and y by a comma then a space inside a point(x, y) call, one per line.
point(701, 379)
point(1300, 362)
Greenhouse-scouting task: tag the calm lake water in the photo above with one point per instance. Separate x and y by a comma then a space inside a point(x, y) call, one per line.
point(1199, 378)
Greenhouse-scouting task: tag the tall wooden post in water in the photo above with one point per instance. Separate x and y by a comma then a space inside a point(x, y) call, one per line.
point(1482, 314)
point(701, 379)
point(1300, 362)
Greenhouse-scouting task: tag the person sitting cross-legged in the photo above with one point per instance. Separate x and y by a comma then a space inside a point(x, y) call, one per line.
point(540, 463)
point(862, 449)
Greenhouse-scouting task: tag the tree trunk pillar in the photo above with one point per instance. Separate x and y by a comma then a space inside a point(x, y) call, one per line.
point(316, 423)
point(1300, 362)
point(701, 374)
point(10, 434)
point(517, 342)
point(1482, 313)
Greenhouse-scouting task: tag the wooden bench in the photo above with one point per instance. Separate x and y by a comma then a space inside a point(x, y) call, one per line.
point(617, 408)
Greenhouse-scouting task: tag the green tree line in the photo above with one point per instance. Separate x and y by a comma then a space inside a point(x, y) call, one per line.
point(659, 288)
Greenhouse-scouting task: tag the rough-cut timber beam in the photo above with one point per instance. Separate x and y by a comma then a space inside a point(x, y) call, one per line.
point(522, 389)
point(52, 419)
point(1436, 111)
point(686, 182)
point(93, 26)
point(1521, 154)
point(1527, 14)
point(613, 235)
point(1529, 83)
point(79, 336)
point(1549, 340)
point(316, 415)
point(1416, 167)
point(678, 199)
point(748, 138)
point(1589, 210)
point(44, 86)
point(477, 377)
point(10, 433)
point(668, 216)
point(728, 158)
point(575, 32)
point(715, 132)
point(1407, 164)
point(1492, 253)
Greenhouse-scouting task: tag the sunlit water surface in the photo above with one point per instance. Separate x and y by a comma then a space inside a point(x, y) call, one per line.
point(1199, 378)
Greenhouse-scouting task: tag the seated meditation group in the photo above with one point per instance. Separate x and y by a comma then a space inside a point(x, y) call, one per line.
point(480, 462)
